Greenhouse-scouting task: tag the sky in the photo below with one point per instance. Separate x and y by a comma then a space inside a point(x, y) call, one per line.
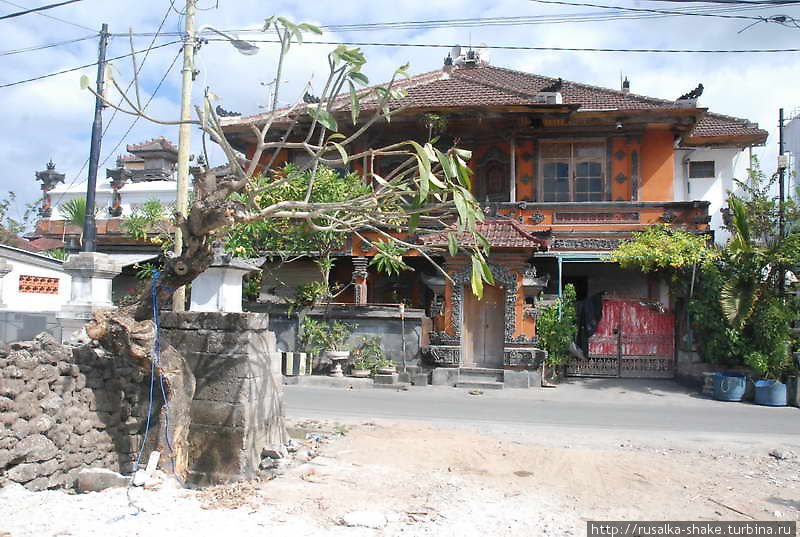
point(52, 118)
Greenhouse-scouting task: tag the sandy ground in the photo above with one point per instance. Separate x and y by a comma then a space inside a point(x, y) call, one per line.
point(413, 479)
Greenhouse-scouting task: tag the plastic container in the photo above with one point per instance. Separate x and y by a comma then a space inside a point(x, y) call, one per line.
point(770, 393)
point(729, 387)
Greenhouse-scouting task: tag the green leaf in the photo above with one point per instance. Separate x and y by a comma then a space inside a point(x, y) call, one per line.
point(461, 207)
point(452, 245)
point(413, 222)
point(359, 77)
point(342, 152)
point(267, 23)
point(355, 105)
point(477, 278)
point(325, 118)
point(311, 28)
point(337, 136)
point(403, 70)
point(487, 272)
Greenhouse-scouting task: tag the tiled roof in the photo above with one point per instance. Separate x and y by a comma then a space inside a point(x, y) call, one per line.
point(156, 144)
point(499, 233)
point(45, 243)
point(489, 86)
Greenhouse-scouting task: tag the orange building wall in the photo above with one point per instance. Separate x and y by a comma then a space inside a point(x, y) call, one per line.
point(657, 166)
point(526, 174)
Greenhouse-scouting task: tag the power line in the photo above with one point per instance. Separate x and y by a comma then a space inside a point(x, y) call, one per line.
point(84, 66)
point(130, 84)
point(662, 11)
point(51, 16)
point(36, 9)
point(523, 47)
point(49, 45)
point(144, 108)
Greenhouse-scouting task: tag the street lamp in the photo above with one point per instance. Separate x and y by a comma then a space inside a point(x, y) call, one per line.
point(245, 47)
point(184, 132)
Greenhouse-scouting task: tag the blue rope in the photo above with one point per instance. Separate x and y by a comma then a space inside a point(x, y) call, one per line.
point(156, 361)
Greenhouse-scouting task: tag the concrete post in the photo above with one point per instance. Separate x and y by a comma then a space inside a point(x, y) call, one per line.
point(91, 275)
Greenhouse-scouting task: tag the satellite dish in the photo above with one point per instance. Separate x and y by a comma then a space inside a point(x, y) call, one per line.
point(455, 52)
point(483, 52)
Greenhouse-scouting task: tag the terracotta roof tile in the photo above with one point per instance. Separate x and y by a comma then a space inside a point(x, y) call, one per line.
point(499, 233)
point(485, 86)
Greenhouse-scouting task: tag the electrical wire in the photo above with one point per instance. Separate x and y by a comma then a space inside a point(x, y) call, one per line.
point(49, 45)
point(621, 14)
point(37, 9)
point(524, 47)
point(51, 17)
point(144, 108)
point(662, 11)
point(138, 70)
point(72, 69)
point(114, 114)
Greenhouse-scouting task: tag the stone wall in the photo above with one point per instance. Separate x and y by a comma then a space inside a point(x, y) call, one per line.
point(25, 325)
point(237, 410)
point(63, 410)
point(380, 321)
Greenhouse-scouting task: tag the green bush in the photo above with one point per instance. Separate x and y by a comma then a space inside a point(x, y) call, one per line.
point(556, 327)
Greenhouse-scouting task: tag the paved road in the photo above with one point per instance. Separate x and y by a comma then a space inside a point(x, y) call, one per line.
point(615, 406)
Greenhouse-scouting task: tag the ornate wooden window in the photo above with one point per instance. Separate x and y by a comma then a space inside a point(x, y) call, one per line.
point(494, 176)
point(572, 171)
point(38, 284)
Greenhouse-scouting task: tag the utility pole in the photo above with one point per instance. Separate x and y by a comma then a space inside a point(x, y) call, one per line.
point(781, 193)
point(89, 228)
point(184, 139)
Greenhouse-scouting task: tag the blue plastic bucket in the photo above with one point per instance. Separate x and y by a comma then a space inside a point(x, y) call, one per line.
point(729, 387)
point(770, 393)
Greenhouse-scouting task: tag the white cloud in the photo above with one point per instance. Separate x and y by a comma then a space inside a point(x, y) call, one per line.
point(52, 118)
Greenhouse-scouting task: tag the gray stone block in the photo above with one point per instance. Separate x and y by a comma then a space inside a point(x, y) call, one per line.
point(97, 479)
point(35, 448)
point(216, 413)
point(516, 379)
point(420, 379)
point(392, 379)
point(444, 376)
point(22, 473)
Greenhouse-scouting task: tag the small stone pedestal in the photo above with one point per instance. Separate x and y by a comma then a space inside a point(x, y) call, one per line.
point(219, 288)
point(91, 275)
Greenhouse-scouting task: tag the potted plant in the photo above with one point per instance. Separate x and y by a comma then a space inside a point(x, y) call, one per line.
point(367, 356)
point(329, 338)
point(386, 367)
point(556, 327)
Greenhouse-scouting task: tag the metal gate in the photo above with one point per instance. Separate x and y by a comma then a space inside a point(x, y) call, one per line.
point(635, 339)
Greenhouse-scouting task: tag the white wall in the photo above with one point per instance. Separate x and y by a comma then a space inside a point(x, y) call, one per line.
point(13, 300)
point(728, 163)
point(133, 194)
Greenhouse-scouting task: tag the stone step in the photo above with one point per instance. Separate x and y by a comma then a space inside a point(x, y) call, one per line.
point(477, 385)
point(477, 374)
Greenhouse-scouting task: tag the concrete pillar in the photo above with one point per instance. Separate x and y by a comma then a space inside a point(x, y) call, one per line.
point(219, 288)
point(360, 279)
point(91, 275)
point(5, 268)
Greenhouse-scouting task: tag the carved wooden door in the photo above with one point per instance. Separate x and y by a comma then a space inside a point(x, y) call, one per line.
point(483, 328)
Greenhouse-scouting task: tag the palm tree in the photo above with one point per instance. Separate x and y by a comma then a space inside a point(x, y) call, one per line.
point(74, 212)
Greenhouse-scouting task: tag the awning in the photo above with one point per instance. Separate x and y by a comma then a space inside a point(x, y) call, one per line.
point(130, 259)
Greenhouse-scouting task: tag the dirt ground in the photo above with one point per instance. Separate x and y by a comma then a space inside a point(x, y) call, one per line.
point(412, 479)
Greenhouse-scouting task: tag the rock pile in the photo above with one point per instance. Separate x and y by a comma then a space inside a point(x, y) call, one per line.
point(64, 409)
